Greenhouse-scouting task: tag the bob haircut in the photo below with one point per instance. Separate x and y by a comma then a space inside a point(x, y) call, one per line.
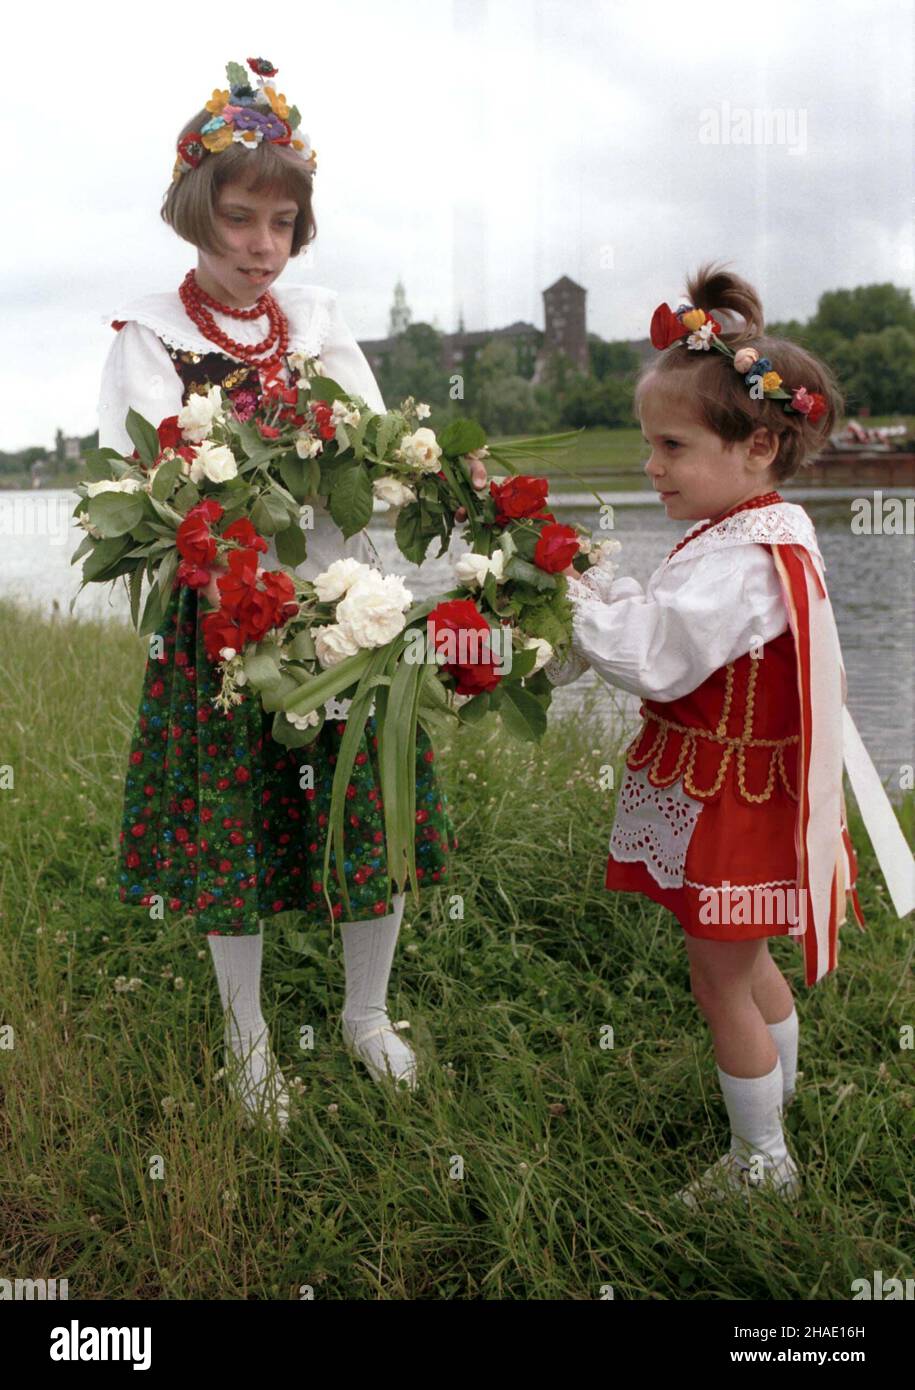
point(189, 206)
point(709, 383)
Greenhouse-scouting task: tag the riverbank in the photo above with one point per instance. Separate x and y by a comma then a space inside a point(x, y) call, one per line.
point(571, 1150)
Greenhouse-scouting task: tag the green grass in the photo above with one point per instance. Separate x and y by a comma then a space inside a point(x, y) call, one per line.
point(571, 1153)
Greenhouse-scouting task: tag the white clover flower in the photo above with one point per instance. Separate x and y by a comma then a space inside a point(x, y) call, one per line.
point(471, 569)
point(202, 412)
point(304, 721)
point(333, 582)
point(421, 450)
point(215, 462)
point(334, 643)
point(341, 412)
point(393, 491)
point(307, 445)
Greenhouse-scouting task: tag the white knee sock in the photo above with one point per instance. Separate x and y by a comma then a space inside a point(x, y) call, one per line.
point(754, 1106)
point(784, 1035)
point(238, 972)
point(368, 951)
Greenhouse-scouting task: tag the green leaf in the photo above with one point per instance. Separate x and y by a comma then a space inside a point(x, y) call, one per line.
point(105, 555)
point(323, 388)
point(143, 436)
point(522, 664)
point(475, 709)
point(291, 737)
point(136, 585)
point(273, 696)
point(294, 118)
point(522, 713)
point(154, 612)
point(529, 574)
point(461, 436)
point(291, 547)
point(84, 546)
point(164, 478)
point(166, 574)
point(292, 470)
point(236, 75)
point(115, 513)
point(261, 670)
point(391, 425)
point(351, 500)
point(98, 464)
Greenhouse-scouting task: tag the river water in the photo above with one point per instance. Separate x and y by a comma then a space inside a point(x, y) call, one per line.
point(871, 581)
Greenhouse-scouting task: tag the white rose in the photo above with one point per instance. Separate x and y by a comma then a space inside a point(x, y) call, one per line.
point(227, 653)
point(83, 521)
point(109, 485)
point(472, 568)
point(423, 411)
point(421, 450)
point(334, 643)
point(196, 419)
point(213, 461)
point(373, 612)
point(544, 652)
point(307, 445)
point(393, 491)
point(333, 582)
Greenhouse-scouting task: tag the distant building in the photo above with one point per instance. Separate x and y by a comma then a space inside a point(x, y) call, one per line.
point(565, 330)
point(72, 452)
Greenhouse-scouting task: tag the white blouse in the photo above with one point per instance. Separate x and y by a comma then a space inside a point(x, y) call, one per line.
point(707, 605)
point(139, 372)
point(691, 619)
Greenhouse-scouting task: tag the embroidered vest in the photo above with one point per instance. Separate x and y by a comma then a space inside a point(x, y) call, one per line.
point(745, 715)
point(199, 371)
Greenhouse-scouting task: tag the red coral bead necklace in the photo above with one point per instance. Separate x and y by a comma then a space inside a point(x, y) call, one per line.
point(267, 355)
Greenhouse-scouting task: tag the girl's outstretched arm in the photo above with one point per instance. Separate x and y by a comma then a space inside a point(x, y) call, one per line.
point(693, 618)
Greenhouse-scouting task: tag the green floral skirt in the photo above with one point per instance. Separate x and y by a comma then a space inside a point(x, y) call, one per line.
point(216, 822)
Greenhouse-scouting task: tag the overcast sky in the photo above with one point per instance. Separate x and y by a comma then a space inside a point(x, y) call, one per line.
point(477, 149)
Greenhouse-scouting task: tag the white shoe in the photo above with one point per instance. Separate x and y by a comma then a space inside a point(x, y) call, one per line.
point(382, 1064)
point(728, 1176)
point(263, 1095)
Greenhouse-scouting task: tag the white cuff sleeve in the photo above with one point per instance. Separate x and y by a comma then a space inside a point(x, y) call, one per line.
point(693, 618)
point(138, 372)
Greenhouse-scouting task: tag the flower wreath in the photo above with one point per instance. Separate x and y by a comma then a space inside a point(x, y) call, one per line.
point(702, 332)
point(244, 116)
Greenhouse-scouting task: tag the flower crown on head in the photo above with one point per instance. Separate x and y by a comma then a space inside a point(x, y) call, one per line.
point(702, 332)
point(245, 116)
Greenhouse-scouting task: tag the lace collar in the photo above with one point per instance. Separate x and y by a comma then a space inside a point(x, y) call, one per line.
point(784, 523)
point(307, 307)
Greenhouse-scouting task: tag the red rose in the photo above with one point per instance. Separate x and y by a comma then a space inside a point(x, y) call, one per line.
point(458, 627)
point(169, 433)
point(194, 576)
point(193, 539)
point(220, 631)
point(519, 497)
point(556, 548)
point(243, 531)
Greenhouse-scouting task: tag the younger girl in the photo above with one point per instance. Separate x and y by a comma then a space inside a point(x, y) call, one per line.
point(731, 811)
point(215, 820)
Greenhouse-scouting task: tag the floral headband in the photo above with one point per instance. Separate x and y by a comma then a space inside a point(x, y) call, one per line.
point(702, 331)
point(247, 117)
